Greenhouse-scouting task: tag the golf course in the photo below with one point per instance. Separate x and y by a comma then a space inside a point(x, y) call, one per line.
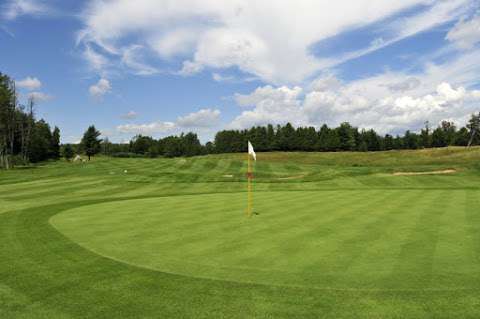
point(393, 234)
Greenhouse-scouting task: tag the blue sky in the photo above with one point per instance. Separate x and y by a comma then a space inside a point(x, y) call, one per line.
point(160, 67)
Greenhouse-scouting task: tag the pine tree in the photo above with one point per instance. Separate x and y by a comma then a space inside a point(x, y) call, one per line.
point(7, 119)
point(439, 138)
point(346, 136)
point(450, 131)
point(410, 140)
point(55, 144)
point(40, 142)
point(462, 136)
point(90, 142)
point(388, 142)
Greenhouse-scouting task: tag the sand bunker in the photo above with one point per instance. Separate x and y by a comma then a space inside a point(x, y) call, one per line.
point(445, 171)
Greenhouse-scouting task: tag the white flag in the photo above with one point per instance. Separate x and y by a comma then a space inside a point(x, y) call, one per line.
point(251, 151)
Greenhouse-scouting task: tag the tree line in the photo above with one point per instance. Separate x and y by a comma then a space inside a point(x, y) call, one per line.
point(23, 138)
point(140, 146)
point(345, 137)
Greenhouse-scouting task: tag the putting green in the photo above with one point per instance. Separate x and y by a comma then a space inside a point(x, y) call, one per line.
point(347, 239)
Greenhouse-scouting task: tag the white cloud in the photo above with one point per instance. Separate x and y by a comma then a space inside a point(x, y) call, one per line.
point(226, 47)
point(39, 97)
point(71, 139)
point(377, 42)
point(29, 83)
point(326, 83)
point(475, 94)
point(367, 103)
point(32, 84)
point(96, 61)
point(439, 13)
point(271, 106)
point(408, 112)
point(100, 89)
point(327, 106)
point(445, 90)
point(130, 115)
point(397, 101)
point(222, 78)
point(465, 34)
point(262, 38)
point(203, 122)
point(14, 8)
point(131, 59)
point(176, 42)
point(268, 95)
point(405, 85)
point(461, 70)
point(201, 119)
point(147, 129)
point(190, 68)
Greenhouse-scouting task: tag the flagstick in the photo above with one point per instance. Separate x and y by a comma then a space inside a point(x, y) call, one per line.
point(249, 175)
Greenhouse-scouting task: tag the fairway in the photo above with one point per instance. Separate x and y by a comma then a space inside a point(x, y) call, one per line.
point(333, 235)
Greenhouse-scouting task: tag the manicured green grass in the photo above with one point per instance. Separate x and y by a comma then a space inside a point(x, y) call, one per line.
point(336, 235)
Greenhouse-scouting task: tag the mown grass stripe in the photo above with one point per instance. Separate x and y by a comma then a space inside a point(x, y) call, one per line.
point(415, 260)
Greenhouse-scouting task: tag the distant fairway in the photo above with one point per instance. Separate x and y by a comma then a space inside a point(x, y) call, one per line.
point(337, 235)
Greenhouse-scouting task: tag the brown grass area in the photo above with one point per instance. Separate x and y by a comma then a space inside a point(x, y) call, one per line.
point(445, 171)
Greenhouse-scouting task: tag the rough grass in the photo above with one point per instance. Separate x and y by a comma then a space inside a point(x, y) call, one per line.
point(345, 239)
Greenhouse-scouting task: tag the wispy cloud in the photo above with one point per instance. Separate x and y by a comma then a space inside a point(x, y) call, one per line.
point(13, 9)
point(202, 118)
point(101, 88)
point(466, 33)
point(142, 35)
point(129, 116)
point(147, 128)
point(39, 97)
point(29, 83)
point(131, 58)
point(405, 27)
point(200, 121)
